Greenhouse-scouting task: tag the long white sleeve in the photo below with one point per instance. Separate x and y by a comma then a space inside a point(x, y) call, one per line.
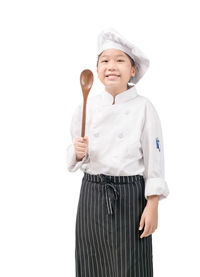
point(76, 123)
point(153, 154)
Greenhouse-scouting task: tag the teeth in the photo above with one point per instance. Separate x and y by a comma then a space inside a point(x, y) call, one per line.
point(112, 77)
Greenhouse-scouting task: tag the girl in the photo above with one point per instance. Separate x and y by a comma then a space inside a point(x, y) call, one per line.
point(123, 163)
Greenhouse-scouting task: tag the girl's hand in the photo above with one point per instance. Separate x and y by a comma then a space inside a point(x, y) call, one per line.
point(81, 147)
point(149, 216)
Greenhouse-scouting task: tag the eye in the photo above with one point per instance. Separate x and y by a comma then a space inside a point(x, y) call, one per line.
point(104, 61)
point(120, 60)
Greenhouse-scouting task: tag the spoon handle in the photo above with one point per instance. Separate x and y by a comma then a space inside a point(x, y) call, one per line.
point(83, 117)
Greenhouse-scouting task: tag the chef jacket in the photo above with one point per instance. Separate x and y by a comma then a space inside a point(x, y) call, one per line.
point(124, 138)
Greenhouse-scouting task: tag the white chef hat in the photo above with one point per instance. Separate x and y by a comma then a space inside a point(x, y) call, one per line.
point(110, 38)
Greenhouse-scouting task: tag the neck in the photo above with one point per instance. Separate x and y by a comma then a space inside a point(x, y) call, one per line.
point(115, 91)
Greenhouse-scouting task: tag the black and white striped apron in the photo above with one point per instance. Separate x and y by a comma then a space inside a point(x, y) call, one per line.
point(108, 242)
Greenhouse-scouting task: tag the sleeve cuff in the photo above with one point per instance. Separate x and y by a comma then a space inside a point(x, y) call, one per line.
point(156, 186)
point(72, 163)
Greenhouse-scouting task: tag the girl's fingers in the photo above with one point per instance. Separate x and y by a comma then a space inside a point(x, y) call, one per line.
point(81, 142)
point(146, 231)
point(80, 152)
point(80, 147)
point(141, 223)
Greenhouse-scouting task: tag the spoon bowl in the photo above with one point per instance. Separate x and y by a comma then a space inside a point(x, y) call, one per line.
point(86, 80)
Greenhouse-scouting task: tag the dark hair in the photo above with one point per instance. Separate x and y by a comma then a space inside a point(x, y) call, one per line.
point(131, 60)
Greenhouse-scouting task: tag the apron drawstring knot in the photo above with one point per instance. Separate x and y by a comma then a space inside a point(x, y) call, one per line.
point(108, 184)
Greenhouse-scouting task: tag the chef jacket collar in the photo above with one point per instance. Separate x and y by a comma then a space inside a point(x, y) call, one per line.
point(122, 97)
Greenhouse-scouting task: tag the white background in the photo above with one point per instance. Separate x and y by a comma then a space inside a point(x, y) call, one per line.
point(43, 49)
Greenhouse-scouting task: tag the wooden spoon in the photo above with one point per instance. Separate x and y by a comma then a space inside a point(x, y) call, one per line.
point(86, 80)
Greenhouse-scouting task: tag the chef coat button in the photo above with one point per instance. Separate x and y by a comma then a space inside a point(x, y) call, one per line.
point(96, 134)
point(120, 135)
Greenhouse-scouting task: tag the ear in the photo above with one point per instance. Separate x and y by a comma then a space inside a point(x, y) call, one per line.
point(133, 71)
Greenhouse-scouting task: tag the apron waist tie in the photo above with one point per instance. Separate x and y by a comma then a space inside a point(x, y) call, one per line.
point(107, 183)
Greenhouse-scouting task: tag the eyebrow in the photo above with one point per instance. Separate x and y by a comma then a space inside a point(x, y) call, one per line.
point(114, 55)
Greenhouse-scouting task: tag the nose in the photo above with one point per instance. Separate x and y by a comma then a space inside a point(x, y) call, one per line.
point(111, 65)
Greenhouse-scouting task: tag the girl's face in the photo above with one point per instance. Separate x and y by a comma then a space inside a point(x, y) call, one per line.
point(115, 70)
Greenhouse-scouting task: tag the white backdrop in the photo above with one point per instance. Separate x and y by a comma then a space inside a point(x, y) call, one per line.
point(43, 49)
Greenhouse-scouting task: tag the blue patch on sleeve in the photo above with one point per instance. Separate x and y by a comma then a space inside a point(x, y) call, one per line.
point(158, 144)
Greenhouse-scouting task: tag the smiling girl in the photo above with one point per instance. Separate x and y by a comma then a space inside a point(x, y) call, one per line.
point(123, 163)
point(114, 69)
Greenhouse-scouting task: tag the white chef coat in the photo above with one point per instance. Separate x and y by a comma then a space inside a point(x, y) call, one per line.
point(124, 138)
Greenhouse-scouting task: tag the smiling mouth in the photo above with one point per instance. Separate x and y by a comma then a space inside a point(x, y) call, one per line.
point(112, 77)
point(115, 75)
